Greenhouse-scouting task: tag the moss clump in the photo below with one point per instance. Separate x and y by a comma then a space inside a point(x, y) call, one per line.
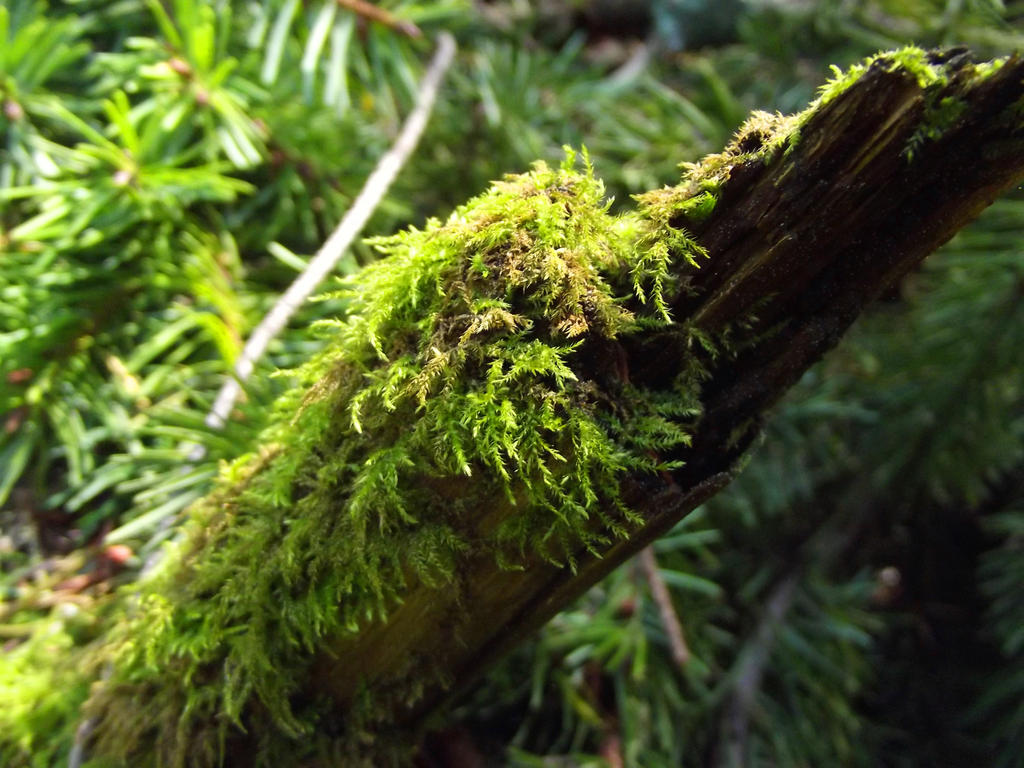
point(939, 116)
point(472, 401)
point(760, 138)
point(915, 61)
point(41, 691)
point(473, 368)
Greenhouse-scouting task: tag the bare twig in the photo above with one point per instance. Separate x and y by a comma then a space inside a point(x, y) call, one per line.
point(611, 749)
point(83, 733)
point(339, 241)
point(632, 67)
point(746, 681)
point(380, 15)
point(326, 258)
point(669, 617)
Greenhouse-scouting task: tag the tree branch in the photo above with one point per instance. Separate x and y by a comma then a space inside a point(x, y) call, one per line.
point(801, 239)
point(774, 246)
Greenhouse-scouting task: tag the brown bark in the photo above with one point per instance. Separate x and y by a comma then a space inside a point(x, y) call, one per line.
point(803, 243)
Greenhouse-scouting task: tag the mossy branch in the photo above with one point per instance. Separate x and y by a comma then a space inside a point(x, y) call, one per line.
point(525, 396)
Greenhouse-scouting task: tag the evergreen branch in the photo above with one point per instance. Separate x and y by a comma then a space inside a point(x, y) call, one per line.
point(348, 229)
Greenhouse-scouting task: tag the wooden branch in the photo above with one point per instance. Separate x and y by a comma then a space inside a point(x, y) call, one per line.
point(813, 217)
point(800, 241)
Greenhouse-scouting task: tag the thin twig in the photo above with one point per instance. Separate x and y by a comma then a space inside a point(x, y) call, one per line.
point(339, 241)
point(375, 13)
point(633, 67)
point(746, 681)
point(83, 733)
point(611, 748)
point(669, 617)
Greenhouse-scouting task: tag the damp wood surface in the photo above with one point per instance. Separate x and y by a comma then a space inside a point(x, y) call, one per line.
point(801, 239)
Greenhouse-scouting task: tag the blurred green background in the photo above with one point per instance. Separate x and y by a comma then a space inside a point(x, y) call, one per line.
point(855, 598)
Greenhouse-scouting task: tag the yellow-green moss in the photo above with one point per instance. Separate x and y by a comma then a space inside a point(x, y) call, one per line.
point(940, 114)
point(911, 59)
point(459, 378)
point(41, 692)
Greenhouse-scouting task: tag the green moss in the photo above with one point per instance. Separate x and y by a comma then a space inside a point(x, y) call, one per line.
point(464, 375)
point(42, 689)
point(985, 69)
point(939, 115)
point(911, 59)
point(762, 137)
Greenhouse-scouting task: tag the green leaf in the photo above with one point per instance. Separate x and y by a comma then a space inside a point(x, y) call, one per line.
point(14, 457)
point(322, 25)
point(278, 41)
